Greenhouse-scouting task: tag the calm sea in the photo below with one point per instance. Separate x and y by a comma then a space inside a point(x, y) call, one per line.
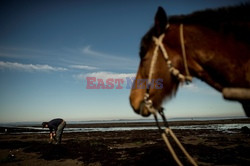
point(216, 127)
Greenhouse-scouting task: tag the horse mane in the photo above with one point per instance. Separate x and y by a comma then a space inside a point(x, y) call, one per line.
point(233, 20)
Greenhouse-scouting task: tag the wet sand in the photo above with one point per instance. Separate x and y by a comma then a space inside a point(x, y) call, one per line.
point(143, 147)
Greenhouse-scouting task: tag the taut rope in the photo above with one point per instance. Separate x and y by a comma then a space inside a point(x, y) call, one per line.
point(168, 131)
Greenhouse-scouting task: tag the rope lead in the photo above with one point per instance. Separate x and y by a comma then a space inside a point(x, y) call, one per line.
point(168, 131)
point(148, 104)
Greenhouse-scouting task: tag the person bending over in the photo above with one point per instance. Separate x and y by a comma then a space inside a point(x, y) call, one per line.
point(56, 127)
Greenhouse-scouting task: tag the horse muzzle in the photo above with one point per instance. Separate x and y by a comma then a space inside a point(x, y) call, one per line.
point(139, 107)
point(143, 110)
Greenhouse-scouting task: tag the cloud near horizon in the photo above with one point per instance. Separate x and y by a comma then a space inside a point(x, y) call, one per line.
point(105, 58)
point(84, 67)
point(87, 50)
point(29, 67)
point(104, 75)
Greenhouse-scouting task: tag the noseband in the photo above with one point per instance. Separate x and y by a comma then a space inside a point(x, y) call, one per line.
point(175, 72)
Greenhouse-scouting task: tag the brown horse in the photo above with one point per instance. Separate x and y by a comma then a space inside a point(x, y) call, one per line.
point(217, 46)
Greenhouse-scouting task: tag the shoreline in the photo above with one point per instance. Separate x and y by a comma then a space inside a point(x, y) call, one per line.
point(144, 147)
point(122, 126)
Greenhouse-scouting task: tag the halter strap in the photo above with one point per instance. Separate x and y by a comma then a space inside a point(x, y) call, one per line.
point(149, 104)
point(173, 70)
point(188, 76)
point(159, 45)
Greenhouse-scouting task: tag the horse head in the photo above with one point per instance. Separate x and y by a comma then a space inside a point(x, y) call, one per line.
point(161, 83)
point(212, 55)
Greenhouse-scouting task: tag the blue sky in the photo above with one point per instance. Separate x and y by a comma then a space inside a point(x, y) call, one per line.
point(48, 48)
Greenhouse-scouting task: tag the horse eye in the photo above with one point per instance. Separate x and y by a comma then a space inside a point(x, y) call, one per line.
point(142, 53)
point(143, 50)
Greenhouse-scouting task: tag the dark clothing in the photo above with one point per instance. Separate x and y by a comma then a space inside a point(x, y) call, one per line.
point(53, 124)
point(57, 125)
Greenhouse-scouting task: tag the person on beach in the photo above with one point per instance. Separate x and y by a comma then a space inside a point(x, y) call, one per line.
point(56, 127)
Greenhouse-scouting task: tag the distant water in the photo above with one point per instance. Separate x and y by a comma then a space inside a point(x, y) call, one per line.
point(216, 127)
point(226, 128)
point(153, 120)
point(14, 124)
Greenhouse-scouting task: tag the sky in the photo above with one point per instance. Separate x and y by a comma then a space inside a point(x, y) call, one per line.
point(49, 47)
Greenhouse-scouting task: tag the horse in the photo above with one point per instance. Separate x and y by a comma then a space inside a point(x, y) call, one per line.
point(211, 45)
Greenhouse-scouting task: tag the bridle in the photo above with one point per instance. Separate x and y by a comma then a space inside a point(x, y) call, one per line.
point(175, 72)
point(148, 104)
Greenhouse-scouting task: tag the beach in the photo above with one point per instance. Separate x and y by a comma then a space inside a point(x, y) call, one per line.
point(128, 147)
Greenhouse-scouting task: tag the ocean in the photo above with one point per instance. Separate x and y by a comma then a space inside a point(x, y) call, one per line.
point(35, 127)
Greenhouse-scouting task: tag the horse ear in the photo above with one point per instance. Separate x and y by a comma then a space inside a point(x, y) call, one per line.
point(160, 21)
